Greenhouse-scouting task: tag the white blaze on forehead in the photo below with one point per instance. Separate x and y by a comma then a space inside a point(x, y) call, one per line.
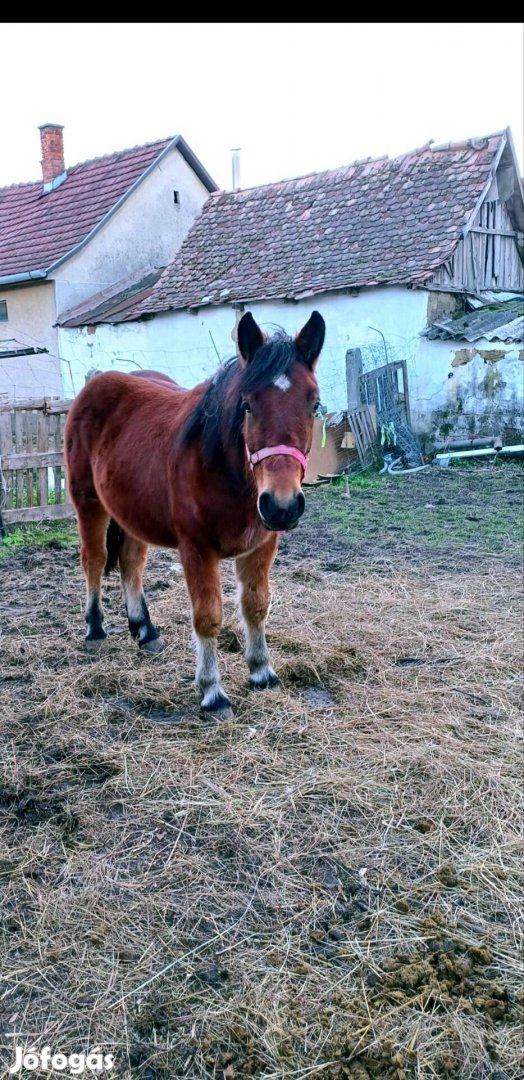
point(282, 382)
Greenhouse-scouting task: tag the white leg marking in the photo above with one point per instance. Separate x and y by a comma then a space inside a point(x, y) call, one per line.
point(135, 610)
point(257, 656)
point(256, 651)
point(207, 673)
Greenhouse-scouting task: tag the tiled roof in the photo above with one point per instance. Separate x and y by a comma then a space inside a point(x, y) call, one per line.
point(495, 322)
point(372, 222)
point(37, 229)
point(111, 304)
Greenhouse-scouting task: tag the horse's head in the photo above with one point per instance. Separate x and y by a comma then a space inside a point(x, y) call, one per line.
point(280, 398)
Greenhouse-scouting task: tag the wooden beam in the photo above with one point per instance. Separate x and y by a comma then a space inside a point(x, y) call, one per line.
point(33, 461)
point(353, 374)
point(494, 232)
point(38, 405)
point(38, 513)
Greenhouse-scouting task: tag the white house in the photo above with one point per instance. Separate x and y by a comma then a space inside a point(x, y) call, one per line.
point(80, 230)
point(385, 249)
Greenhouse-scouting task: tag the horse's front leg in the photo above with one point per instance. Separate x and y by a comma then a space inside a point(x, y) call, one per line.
point(203, 581)
point(253, 580)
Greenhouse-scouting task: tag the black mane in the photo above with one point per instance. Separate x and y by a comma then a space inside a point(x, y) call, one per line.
point(217, 419)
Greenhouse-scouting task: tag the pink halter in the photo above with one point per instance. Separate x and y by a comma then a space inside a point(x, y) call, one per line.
point(272, 451)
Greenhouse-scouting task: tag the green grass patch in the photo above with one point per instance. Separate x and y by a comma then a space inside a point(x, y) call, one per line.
point(474, 506)
point(38, 534)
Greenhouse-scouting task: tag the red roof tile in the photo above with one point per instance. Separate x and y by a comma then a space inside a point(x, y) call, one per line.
point(37, 229)
point(373, 222)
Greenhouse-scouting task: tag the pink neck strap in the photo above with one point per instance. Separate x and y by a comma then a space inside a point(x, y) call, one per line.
point(272, 451)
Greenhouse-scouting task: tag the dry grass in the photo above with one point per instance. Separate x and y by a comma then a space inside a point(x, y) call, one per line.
point(330, 886)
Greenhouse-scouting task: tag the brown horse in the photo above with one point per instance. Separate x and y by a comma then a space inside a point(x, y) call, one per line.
point(215, 472)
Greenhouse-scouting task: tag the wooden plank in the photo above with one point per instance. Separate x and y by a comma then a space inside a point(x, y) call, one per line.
point(38, 513)
point(474, 267)
point(363, 425)
point(495, 232)
point(33, 461)
point(19, 430)
point(53, 423)
point(508, 264)
point(18, 477)
point(47, 405)
point(18, 442)
point(14, 407)
point(6, 446)
point(353, 377)
point(459, 263)
point(58, 484)
point(42, 444)
point(19, 434)
point(53, 407)
point(405, 391)
point(6, 434)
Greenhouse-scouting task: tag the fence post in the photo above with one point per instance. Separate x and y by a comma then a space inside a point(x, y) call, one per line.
point(353, 374)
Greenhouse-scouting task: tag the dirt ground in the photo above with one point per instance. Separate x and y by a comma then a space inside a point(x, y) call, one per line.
point(328, 886)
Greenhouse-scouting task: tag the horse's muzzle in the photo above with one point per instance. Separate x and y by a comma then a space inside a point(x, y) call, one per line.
point(278, 516)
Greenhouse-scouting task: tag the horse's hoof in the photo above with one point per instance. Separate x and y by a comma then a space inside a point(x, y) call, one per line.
point(218, 708)
point(154, 645)
point(93, 645)
point(220, 715)
point(266, 679)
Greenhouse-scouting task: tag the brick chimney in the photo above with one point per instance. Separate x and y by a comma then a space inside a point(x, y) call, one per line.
point(53, 165)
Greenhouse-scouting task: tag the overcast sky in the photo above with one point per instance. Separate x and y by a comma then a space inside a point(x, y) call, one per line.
point(295, 97)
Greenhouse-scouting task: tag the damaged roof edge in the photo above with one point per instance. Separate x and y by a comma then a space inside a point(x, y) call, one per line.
point(502, 321)
point(111, 301)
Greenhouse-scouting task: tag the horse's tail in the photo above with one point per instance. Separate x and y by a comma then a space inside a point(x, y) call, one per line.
point(114, 538)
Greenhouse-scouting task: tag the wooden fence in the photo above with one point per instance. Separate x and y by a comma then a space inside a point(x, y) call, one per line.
point(32, 471)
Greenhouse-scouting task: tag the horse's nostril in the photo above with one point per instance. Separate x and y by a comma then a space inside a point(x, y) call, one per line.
point(265, 504)
point(301, 504)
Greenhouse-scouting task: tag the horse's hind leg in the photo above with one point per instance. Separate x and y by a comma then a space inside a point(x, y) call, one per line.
point(253, 581)
point(92, 524)
point(132, 557)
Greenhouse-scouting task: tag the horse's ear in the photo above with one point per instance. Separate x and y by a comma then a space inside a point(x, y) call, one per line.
point(249, 337)
point(310, 339)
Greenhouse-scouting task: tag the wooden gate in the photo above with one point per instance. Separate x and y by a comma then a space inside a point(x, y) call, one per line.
point(32, 472)
point(375, 397)
point(386, 388)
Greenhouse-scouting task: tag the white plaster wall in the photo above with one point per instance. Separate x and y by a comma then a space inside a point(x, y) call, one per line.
point(183, 345)
point(189, 347)
point(480, 397)
point(31, 314)
point(148, 229)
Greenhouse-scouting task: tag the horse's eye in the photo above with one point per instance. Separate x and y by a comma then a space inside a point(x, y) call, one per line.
point(318, 409)
point(246, 407)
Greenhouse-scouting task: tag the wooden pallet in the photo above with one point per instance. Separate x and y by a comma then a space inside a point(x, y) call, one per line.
point(363, 423)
